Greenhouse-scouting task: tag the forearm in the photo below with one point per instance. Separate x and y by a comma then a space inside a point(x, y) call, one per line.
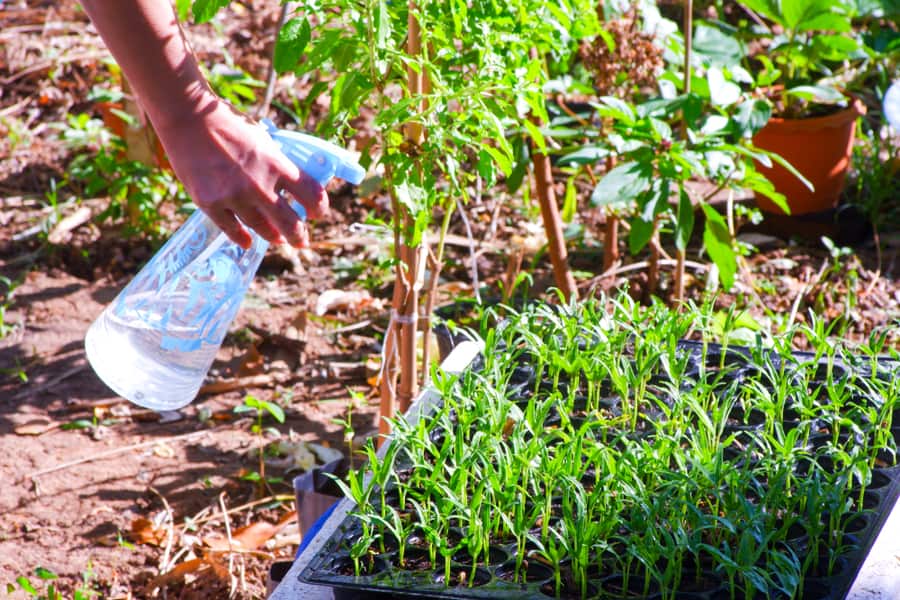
point(145, 39)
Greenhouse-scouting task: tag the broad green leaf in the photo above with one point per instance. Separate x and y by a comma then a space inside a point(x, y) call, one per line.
point(616, 109)
point(485, 166)
point(715, 124)
point(826, 21)
point(382, 25)
point(205, 10)
point(684, 220)
point(751, 116)
point(661, 129)
point(656, 201)
point(501, 158)
point(718, 243)
point(822, 94)
point(273, 409)
point(717, 47)
point(520, 168)
point(757, 183)
point(767, 8)
point(721, 91)
point(621, 185)
point(797, 12)
point(640, 234)
point(835, 47)
point(183, 7)
point(291, 43)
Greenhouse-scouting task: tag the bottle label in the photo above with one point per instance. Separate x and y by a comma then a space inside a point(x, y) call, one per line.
point(190, 291)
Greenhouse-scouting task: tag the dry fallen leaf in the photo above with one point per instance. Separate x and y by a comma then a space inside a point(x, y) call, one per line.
point(353, 300)
point(144, 531)
point(164, 450)
point(250, 537)
point(252, 363)
point(36, 426)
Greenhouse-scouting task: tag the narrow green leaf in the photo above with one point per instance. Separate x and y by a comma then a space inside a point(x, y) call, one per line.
point(718, 242)
point(570, 204)
point(26, 585)
point(536, 135)
point(45, 574)
point(684, 220)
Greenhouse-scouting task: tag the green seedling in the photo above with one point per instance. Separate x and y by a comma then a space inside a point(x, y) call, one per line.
point(260, 409)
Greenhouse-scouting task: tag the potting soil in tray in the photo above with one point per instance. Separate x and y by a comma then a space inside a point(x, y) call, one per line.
point(628, 471)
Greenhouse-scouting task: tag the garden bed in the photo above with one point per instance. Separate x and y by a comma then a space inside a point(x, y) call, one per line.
point(567, 462)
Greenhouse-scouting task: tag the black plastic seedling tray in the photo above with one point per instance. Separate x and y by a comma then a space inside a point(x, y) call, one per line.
point(331, 565)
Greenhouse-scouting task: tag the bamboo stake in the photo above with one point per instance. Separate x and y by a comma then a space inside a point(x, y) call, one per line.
point(688, 42)
point(400, 338)
point(611, 229)
point(653, 271)
point(551, 217)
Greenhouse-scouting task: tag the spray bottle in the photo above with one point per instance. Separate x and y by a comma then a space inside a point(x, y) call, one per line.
point(156, 341)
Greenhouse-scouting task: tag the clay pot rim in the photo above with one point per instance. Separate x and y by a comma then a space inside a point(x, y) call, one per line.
point(840, 118)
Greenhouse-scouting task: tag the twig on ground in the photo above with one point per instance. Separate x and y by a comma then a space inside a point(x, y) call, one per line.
point(112, 452)
point(50, 382)
point(48, 64)
point(239, 383)
point(170, 532)
point(233, 582)
point(615, 270)
point(276, 498)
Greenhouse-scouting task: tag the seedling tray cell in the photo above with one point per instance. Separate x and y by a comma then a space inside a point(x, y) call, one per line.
point(836, 498)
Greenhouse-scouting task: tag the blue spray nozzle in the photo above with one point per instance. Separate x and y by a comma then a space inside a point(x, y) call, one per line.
point(317, 158)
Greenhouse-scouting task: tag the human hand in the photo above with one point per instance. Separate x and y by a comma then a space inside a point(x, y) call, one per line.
point(234, 173)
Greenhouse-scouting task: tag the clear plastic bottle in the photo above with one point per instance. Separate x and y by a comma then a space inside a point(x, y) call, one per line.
point(155, 342)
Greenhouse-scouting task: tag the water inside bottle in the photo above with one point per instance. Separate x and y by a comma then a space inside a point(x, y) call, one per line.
point(132, 359)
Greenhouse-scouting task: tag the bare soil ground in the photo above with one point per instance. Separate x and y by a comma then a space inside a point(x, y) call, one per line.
point(94, 488)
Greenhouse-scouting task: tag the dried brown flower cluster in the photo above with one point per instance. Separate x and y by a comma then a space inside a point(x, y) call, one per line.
point(630, 65)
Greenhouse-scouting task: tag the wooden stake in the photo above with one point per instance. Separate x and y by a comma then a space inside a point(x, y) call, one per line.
point(611, 230)
point(550, 213)
point(401, 335)
point(688, 42)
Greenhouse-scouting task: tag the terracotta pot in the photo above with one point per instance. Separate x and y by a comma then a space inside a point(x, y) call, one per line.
point(819, 148)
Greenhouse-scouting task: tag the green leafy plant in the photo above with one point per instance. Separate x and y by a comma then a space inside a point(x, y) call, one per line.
point(549, 444)
point(45, 589)
point(6, 300)
point(810, 47)
point(655, 163)
point(261, 409)
point(233, 84)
